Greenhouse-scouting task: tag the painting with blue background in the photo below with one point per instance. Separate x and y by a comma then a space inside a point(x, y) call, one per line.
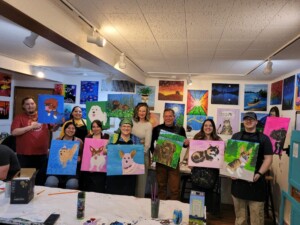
point(226, 94)
point(50, 109)
point(89, 91)
point(255, 97)
point(179, 112)
point(288, 93)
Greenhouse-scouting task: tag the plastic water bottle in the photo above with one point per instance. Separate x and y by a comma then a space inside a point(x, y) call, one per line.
point(80, 205)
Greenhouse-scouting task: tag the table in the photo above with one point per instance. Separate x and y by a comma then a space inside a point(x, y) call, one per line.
point(107, 208)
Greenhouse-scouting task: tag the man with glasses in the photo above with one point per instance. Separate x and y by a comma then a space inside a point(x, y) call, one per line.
point(246, 193)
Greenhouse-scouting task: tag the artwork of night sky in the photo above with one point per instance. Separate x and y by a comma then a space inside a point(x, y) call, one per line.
point(288, 93)
point(197, 102)
point(179, 112)
point(276, 93)
point(297, 100)
point(4, 109)
point(170, 90)
point(225, 94)
point(89, 91)
point(261, 117)
point(66, 90)
point(255, 97)
point(5, 85)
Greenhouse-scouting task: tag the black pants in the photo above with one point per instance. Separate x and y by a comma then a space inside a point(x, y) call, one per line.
point(121, 185)
point(92, 181)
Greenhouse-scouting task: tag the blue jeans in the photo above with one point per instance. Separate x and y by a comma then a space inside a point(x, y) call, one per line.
point(56, 181)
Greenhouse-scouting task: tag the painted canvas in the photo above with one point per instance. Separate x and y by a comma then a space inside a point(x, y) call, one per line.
point(240, 159)
point(117, 85)
point(261, 118)
point(66, 90)
point(97, 111)
point(179, 112)
point(51, 109)
point(227, 121)
point(5, 84)
point(204, 153)
point(125, 160)
point(197, 214)
point(168, 148)
point(89, 91)
point(195, 122)
point(147, 95)
point(226, 94)
point(4, 110)
point(297, 98)
point(255, 97)
point(197, 102)
point(288, 93)
point(170, 90)
point(121, 105)
point(63, 157)
point(276, 129)
point(94, 156)
point(154, 119)
point(276, 93)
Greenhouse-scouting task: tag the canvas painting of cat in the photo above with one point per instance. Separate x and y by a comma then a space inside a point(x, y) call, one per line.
point(227, 121)
point(240, 159)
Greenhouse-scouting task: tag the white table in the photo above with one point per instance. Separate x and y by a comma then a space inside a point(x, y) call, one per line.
point(106, 208)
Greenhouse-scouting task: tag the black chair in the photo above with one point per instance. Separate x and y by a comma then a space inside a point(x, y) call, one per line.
point(10, 141)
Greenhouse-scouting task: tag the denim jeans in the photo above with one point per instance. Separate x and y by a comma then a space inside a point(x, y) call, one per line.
point(56, 181)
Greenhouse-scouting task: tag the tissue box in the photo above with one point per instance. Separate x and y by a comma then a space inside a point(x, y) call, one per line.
point(22, 187)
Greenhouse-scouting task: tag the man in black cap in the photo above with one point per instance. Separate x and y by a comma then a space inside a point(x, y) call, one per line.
point(246, 193)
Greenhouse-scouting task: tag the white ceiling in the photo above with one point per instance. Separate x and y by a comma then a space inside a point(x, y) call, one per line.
point(230, 39)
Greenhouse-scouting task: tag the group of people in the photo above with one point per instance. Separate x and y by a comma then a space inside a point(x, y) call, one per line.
point(33, 143)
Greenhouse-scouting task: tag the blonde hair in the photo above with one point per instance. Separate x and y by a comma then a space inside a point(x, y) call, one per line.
point(136, 110)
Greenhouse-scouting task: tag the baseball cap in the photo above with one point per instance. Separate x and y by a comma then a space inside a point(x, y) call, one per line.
point(250, 115)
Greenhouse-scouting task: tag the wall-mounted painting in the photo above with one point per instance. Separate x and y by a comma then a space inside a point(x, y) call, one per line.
point(66, 90)
point(4, 110)
point(63, 157)
point(94, 156)
point(261, 118)
point(117, 85)
point(89, 91)
point(5, 84)
point(276, 129)
point(297, 99)
point(179, 112)
point(154, 119)
point(121, 105)
point(147, 95)
point(255, 97)
point(170, 90)
point(125, 159)
point(203, 153)
point(288, 93)
point(225, 94)
point(97, 111)
point(51, 109)
point(276, 93)
point(233, 166)
point(194, 122)
point(227, 121)
point(197, 102)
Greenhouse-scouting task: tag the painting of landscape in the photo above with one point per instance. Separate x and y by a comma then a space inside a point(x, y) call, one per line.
point(197, 102)
point(226, 94)
point(179, 112)
point(276, 93)
point(170, 90)
point(288, 93)
point(255, 98)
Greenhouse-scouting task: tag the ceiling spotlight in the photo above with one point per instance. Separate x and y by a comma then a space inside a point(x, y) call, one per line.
point(30, 40)
point(122, 63)
point(100, 41)
point(268, 69)
point(40, 74)
point(76, 63)
point(189, 80)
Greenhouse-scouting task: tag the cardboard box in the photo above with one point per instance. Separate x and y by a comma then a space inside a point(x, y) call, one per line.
point(22, 187)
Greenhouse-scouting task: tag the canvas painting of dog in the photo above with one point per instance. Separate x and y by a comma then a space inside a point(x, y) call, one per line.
point(63, 157)
point(205, 153)
point(97, 111)
point(50, 109)
point(94, 158)
point(125, 160)
point(168, 148)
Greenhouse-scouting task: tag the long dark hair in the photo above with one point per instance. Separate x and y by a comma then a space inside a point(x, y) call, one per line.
point(98, 122)
point(71, 114)
point(201, 134)
point(136, 111)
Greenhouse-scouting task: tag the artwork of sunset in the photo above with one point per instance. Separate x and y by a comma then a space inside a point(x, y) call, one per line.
point(170, 90)
point(197, 102)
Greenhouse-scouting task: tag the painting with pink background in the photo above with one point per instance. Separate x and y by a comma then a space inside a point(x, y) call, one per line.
point(205, 153)
point(93, 157)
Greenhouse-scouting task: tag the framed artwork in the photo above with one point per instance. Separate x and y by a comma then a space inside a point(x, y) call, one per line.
point(5, 84)
point(51, 109)
point(204, 153)
point(63, 157)
point(179, 112)
point(117, 85)
point(195, 122)
point(147, 95)
point(297, 98)
point(233, 166)
point(125, 159)
point(255, 97)
point(276, 93)
point(288, 93)
point(94, 158)
point(89, 91)
point(66, 90)
point(261, 118)
point(4, 110)
point(170, 90)
point(225, 94)
point(97, 111)
point(121, 105)
point(227, 121)
point(154, 119)
point(197, 102)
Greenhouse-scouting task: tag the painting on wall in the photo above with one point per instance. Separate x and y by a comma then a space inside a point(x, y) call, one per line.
point(63, 157)
point(288, 93)
point(97, 111)
point(51, 109)
point(225, 94)
point(297, 99)
point(89, 91)
point(179, 112)
point(94, 158)
point(121, 105)
point(66, 90)
point(255, 97)
point(67, 111)
point(4, 110)
point(117, 85)
point(197, 102)
point(5, 84)
point(168, 148)
point(276, 129)
point(233, 166)
point(154, 119)
point(276, 93)
point(227, 121)
point(261, 118)
point(194, 122)
point(125, 159)
point(147, 95)
point(204, 153)
point(170, 90)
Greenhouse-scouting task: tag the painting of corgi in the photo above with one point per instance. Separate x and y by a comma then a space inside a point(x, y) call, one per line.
point(128, 164)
